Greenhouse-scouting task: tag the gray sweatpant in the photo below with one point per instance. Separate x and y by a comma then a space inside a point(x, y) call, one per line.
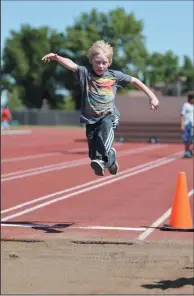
point(100, 136)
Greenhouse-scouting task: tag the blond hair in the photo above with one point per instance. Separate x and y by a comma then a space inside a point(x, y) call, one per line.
point(99, 47)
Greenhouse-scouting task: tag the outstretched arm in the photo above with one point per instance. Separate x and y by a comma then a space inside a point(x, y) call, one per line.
point(67, 63)
point(153, 99)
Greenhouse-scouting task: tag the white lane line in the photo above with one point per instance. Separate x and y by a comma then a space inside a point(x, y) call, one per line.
point(15, 132)
point(64, 163)
point(34, 156)
point(159, 221)
point(115, 179)
point(42, 168)
point(108, 228)
point(20, 225)
point(96, 181)
point(61, 166)
point(34, 225)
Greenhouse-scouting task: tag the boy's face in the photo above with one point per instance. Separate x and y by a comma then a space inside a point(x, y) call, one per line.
point(100, 63)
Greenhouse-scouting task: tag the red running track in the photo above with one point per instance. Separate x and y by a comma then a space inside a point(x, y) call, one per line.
point(47, 180)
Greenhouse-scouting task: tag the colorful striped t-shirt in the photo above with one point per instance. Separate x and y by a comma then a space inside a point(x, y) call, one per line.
point(98, 93)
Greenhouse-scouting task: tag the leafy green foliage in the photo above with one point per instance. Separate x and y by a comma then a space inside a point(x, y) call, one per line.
point(22, 62)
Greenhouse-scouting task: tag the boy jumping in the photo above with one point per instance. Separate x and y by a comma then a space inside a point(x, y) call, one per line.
point(98, 111)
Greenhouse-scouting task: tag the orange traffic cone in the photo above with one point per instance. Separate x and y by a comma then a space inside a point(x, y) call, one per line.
point(180, 218)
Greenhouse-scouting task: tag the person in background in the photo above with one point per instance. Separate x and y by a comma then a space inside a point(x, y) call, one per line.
point(187, 125)
point(6, 116)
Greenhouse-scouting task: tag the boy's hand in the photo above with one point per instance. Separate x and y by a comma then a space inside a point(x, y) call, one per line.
point(50, 57)
point(154, 102)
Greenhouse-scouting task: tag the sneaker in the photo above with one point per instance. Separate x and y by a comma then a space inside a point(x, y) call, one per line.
point(98, 167)
point(187, 154)
point(114, 168)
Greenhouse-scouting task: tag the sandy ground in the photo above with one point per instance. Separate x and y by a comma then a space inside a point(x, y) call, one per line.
point(95, 267)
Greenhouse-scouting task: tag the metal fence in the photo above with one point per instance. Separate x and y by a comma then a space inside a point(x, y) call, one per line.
point(133, 109)
point(139, 124)
point(49, 117)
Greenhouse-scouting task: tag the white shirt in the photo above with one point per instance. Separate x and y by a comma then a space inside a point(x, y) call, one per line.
point(187, 111)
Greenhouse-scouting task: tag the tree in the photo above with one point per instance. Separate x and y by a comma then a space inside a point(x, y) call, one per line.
point(187, 72)
point(123, 31)
point(162, 67)
point(22, 67)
